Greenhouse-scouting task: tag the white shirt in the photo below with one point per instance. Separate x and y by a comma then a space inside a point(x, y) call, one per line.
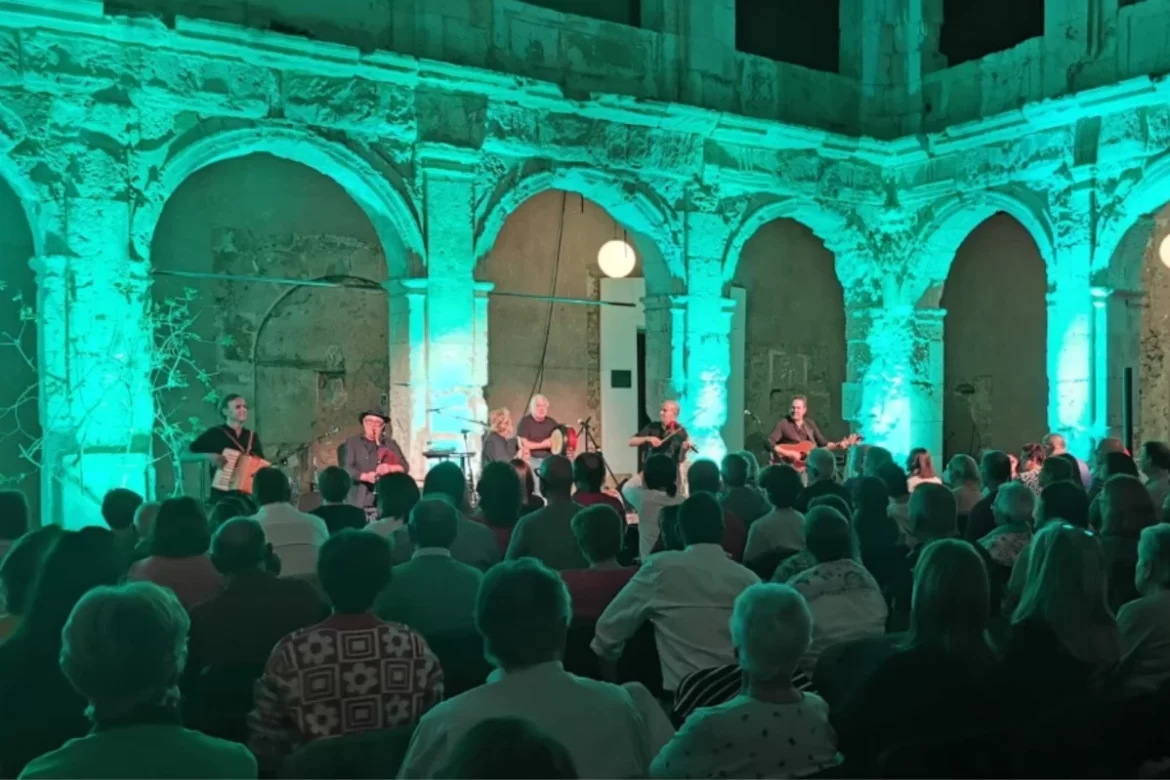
point(914, 482)
point(385, 526)
point(780, 529)
point(687, 595)
point(598, 723)
point(648, 504)
point(846, 604)
point(1144, 625)
point(295, 537)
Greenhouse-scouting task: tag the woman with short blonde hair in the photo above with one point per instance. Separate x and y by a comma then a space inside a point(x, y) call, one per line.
point(499, 443)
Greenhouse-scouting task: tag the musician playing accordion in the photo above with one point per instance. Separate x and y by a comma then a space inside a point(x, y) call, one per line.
point(231, 435)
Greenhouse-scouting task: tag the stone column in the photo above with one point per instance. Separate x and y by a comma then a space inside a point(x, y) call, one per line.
point(1117, 330)
point(665, 349)
point(893, 389)
point(95, 362)
point(408, 368)
point(1077, 403)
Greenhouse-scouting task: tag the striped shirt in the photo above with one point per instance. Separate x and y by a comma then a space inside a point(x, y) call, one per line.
point(720, 684)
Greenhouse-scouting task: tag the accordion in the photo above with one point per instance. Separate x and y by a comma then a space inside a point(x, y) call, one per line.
point(238, 472)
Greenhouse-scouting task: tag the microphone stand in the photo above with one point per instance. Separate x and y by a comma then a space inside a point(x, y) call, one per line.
point(468, 471)
point(585, 434)
point(763, 433)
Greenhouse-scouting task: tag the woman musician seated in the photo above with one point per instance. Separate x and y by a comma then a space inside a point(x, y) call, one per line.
point(232, 435)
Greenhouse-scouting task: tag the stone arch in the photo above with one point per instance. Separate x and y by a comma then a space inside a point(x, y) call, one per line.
point(955, 218)
point(825, 223)
point(385, 201)
point(649, 220)
point(1124, 235)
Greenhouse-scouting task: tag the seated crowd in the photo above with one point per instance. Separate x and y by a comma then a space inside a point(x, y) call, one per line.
point(1005, 617)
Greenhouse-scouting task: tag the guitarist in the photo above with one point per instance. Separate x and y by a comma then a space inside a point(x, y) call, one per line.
point(794, 430)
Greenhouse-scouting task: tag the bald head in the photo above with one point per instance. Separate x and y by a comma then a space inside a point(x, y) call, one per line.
point(556, 477)
point(239, 545)
point(1054, 444)
point(822, 465)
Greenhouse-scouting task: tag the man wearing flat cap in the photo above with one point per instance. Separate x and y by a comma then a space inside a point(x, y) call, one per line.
point(367, 457)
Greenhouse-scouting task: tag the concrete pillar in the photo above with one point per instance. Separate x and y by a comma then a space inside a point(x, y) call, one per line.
point(409, 399)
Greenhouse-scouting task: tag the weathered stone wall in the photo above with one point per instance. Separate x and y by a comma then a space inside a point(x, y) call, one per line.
point(795, 326)
point(1152, 370)
point(18, 379)
point(996, 383)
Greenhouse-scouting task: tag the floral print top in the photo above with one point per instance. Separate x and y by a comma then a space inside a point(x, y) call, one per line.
point(348, 674)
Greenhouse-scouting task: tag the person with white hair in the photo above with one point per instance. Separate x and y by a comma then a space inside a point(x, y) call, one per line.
point(1014, 506)
point(534, 433)
point(123, 649)
point(1144, 624)
point(770, 729)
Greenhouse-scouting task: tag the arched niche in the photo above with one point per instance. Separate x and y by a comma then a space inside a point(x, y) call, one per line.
point(995, 390)
point(308, 358)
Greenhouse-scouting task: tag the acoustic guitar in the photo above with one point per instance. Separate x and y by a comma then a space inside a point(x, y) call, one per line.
point(795, 455)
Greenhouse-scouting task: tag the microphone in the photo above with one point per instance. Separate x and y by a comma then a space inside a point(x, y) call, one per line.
point(585, 421)
point(747, 412)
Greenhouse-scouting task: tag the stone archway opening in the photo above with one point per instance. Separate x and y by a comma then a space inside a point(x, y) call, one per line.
point(20, 425)
point(795, 329)
point(995, 391)
point(308, 358)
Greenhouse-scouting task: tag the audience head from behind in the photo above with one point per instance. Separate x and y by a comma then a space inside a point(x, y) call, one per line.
point(501, 495)
point(828, 535)
point(1058, 469)
point(124, 648)
point(821, 466)
point(1066, 588)
point(1073, 463)
point(1063, 501)
point(271, 486)
point(556, 478)
point(118, 508)
point(897, 483)
point(18, 569)
point(920, 464)
point(500, 748)
point(995, 469)
point(447, 479)
point(77, 562)
point(832, 501)
point(589, 472)
point(933, 514)
point(951, 601)
point(1112, 464)
point(522, 611)
point(599, 531)
point(782, 485)
point(771, 629)
point(1155, 459)
point(180, 530)
point(229, 507)
point(669, 528)
point(434, 522)
point(396, 494)
point(753, 464)
point(353, 567)
point(734, 470)
point(870, 496)
point(703, 476)
point(1104, 448)
point(700, 520)
point(334, 483)
point(239, 546)
point(527, 478)
point(961, 470)
point(144, 518)
point(1014, 505)
point(872, 523)
point(661, 474)
point(1126, 507)
point(1152, 574)
point(875, 458)
point(855, 461)
point(13, 515)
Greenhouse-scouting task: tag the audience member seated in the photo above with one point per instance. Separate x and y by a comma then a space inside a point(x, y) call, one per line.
point(782, 529)
point(1111, 464)
point(118, 508)
point(123, 650)
point(770, 729)
point(501, 498)
point(475, 544)
point(741, 497)
point(875, 458)
point(878, 535)
point(962, 477)
point(546, 534)
point(531, 499)
point(996, 470)
point(898, 488)
point(296, 537)
point(687, 595)
point(1126, 509)
point(599, 531)
point(178, 554)
point(18, 570)
point(1110, 458)
point(1031, 461)
point(1061, 502)
point(432, 593)
point(237, 628)
point(920, 468)
point(753, 471)
point(144, 519)
point(1155, 464)
point(39, 710)
point(1055, 447)
point(1058, 470)
point(13, 519)
point(1144, 624)
point(523, 614)
point(945, 677)
point(845, 600)
point(334, 483)
point(229, 507)
point(350, 673)
point(805, 560)
point(508, 748)
point(588, 480)
point(396, 494)
point(821, 473)
point(1064, 638)
point(703, 477)
point(657, 488)
point(1014, 506)
point(717, 685)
